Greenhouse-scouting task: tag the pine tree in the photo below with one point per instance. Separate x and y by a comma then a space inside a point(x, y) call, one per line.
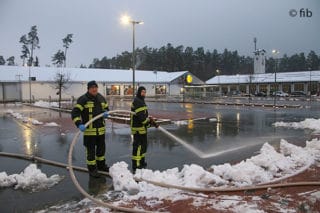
point(10, 61)
point(66, 43)
point(58, 58)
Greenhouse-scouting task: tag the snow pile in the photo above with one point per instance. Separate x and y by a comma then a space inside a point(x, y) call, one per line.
point(30, 179)
point(46, 104)
point(269, 165)
point(36, 122)
point(122, 178)
point(51, 124)
point(309, 123)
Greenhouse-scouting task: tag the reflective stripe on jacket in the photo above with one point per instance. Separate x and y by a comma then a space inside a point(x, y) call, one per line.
point(88, 107)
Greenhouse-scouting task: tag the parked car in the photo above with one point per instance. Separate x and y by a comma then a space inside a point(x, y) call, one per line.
point(280, 94)
point(261, 94)
point(298, 94)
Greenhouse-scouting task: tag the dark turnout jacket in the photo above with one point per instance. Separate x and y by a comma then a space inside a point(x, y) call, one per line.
point(88, 107)
point(139, 121)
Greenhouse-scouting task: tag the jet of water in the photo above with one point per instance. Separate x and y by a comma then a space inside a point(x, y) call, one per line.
point(198, 152)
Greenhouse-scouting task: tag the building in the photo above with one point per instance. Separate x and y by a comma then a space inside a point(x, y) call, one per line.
point(15, 84)
point(259, 62)
point(306, 81)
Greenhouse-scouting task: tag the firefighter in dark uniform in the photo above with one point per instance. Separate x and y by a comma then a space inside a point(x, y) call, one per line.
point(88, 106)
point(139, 123)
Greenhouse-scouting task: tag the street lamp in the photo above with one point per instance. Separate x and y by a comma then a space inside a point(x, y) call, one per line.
point(238, 83)
point(127, 20)
point(275, 53)
point(218, 73)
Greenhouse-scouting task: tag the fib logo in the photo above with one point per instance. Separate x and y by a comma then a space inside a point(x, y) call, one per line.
point(302, 13)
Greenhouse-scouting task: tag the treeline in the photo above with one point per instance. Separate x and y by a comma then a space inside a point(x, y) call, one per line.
point(203, 63)
point(30, 42)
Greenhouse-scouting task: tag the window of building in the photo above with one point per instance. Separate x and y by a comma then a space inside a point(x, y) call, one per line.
point(127, 90)
point(113, 90)
point(161, 89)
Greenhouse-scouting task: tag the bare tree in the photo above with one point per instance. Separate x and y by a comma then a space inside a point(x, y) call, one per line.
point(61, 80)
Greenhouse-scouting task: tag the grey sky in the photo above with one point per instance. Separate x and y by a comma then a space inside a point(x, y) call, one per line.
point(212, 24)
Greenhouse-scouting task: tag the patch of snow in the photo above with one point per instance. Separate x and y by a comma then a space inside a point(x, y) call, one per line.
point(30, 179)
point(308, 123)
point(36, 122)
point(51, 124)
point(212, 119)
point(314, 197)
point(6, 181)
point(123, 179)
point(181, 123)
point(46, 104)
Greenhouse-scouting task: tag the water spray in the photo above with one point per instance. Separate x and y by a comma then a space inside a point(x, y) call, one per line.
point(196, 151)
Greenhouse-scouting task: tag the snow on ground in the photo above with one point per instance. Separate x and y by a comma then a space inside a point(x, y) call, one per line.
point(51, 124)
point(267, 166)
point(31, 179)
point(24, 119)
point(46, 104)
point(309, 123)
point(181, 123)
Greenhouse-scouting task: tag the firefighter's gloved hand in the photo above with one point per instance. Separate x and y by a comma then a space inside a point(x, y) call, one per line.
point(153, 122)
point(82, 127)
point(105, 114)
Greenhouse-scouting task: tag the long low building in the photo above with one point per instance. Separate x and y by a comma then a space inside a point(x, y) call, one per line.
point(306, 81)
point(40, 83)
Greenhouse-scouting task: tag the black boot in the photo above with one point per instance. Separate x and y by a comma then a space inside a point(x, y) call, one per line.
point(102, 166)
point(93, 171)
point(134, 166)
point(143, 163)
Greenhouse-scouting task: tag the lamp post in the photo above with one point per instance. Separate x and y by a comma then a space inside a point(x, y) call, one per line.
point(127, 20)
point(275, 53)
point(309, 86)
point(238, 76)
point(218, 73)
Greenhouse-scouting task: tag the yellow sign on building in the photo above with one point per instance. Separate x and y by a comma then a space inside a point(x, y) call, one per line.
point(189, 79)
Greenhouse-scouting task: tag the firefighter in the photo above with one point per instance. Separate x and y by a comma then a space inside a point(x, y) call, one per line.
point(88, 106)
point(139, 123)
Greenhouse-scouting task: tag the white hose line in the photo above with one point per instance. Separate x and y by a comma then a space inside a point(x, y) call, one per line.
point(49, 162)
point(231, 189)
point(75, 181)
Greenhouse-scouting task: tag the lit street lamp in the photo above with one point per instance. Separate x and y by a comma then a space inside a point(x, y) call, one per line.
point(127, 20)
point(275, 53)
point(218, 73)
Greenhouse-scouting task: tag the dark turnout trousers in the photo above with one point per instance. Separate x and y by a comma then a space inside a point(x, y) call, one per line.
point(139, 151)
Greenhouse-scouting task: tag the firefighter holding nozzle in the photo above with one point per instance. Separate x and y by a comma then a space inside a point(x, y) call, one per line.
point(140, 121)
point(88, 106)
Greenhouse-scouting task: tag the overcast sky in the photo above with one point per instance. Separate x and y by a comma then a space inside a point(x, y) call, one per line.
point(212, 24)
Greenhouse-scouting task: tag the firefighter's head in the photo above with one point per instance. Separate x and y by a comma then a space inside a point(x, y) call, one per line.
point(92, 88)
point(141, 92)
